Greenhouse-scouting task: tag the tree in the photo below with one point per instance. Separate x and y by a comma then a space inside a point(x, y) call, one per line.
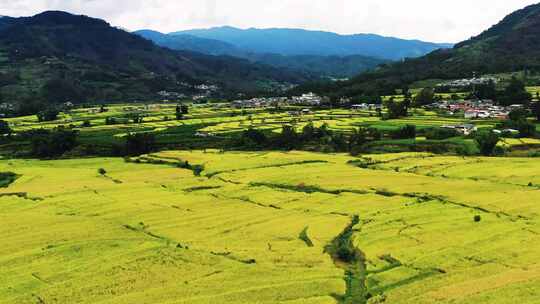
point(5, 129)
point(252, 137)
point(180, 111)
point(288, 138)
point(60, 90)
point(29, 107)
point(140, 143)
point(518, 119)
point(49, 114)
point(526, 128)
point(487, 141)
point(53, 143)
point(486, 91)
point(358, 138)
point(397, 109)
point(518, 114)
point(407, 98)
point(515, 93)
point(323, 131)
point(535, 108)
point(185, 109)
point(308, 132)
point(425, 97)
point(408, 131)
point(338, 141)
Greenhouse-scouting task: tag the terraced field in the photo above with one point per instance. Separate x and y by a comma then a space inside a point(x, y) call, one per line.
point(159, 118)
point(270, 227)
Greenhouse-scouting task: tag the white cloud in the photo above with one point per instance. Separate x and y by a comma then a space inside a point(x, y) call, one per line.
point(441, 21)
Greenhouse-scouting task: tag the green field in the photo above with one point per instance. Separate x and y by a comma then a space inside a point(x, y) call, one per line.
point(253, 228)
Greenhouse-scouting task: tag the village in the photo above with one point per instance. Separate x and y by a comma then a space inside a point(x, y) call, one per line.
point(460, 83)
point(309, 99)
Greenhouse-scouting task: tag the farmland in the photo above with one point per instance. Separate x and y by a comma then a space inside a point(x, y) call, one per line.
point(202, 220)
point(255, 227)
point(224, 124)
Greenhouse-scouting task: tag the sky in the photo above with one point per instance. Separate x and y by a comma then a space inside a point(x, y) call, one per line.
point(428, 20)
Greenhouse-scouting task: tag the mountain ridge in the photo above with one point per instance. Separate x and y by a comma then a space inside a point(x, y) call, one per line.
point(511, 45)
point(292, 41)
point(325, 66)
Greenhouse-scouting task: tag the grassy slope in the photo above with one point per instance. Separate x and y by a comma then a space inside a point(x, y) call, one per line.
point(158, 234)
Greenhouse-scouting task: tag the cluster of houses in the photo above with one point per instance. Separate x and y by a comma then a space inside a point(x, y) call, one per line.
point(171, 95)
point(464, 129)
point(459, 83)
point(6, 107)
point(366, 106)
point(309, 99)
point(481, 109)
point(204, 91)
point(207, 87)
point(260, 102)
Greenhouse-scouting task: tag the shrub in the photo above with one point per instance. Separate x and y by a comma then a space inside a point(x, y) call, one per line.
point(102, 171)
point(7, 178)
point(440, 133)
point(5, 129)
point(345, 253)
point(197, 169)
point(304, 237)
point(477, 218)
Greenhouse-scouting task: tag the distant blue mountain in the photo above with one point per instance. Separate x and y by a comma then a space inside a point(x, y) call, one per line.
point(304, 42)
point(190, 43)
point(325, 66)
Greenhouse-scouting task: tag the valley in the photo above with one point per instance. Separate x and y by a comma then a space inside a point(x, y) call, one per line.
point(270, 162)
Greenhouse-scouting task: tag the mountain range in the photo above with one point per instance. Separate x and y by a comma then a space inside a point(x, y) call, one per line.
point(56, 56)
point(320, 53)
point(59, 56)
point(509, 46)
point(291, 42)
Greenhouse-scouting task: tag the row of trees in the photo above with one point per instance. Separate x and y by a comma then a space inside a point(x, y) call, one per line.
point(56, 142)
point(320, 138)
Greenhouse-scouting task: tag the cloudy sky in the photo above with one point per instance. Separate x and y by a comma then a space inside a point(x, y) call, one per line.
point(431, 20)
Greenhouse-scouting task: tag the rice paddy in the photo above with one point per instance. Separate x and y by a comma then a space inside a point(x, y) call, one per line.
point(271, 227)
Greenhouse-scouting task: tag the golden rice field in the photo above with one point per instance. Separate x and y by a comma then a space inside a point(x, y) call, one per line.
point(159, 118)
point(253, 228)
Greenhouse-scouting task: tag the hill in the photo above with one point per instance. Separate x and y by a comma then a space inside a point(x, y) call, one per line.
point(304, 42)
point(509, 46)
point(57, 56)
